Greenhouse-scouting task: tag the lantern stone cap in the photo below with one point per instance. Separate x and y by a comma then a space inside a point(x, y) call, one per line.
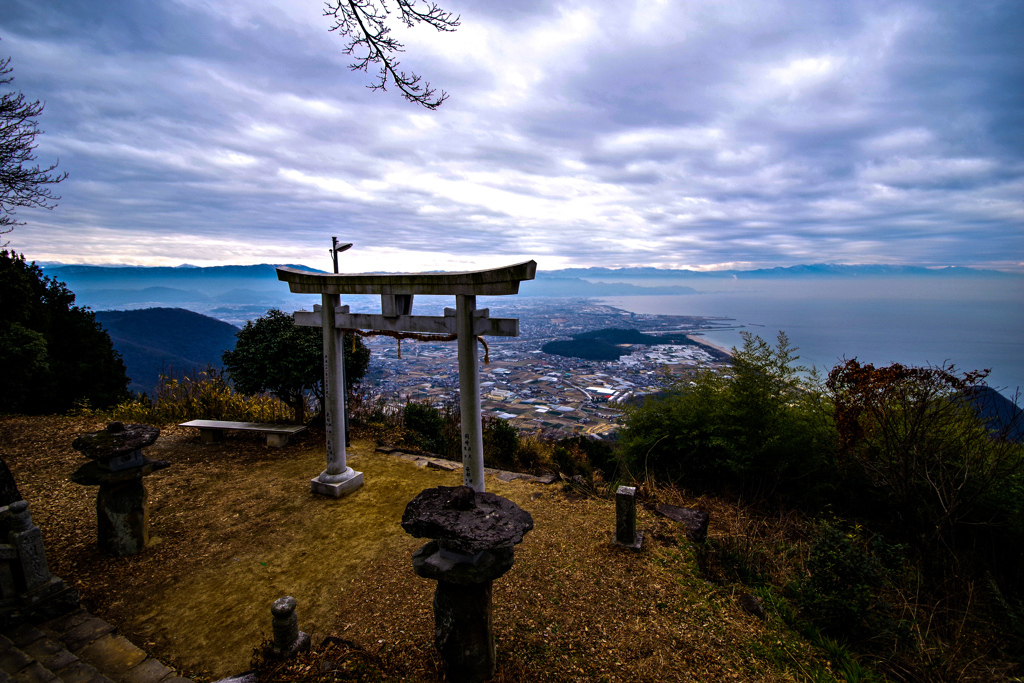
point(492, 282)
point(117, 439)
point(465, 520)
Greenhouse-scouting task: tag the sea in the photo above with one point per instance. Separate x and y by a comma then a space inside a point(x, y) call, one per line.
point(973, 324)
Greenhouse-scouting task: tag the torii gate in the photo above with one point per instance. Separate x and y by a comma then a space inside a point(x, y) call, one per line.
point(396, 295)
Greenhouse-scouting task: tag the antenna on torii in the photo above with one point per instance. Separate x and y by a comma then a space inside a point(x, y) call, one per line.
point(337, 249)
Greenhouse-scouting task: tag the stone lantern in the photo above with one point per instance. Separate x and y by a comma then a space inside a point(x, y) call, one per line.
point(475, 533)
point(117, 466)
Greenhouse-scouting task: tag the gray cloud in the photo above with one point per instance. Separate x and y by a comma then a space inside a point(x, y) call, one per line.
point(644, 133)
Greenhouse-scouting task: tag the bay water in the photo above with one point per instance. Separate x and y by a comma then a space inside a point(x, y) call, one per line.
point(972, 323)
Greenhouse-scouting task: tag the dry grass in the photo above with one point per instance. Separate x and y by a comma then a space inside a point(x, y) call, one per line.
point(238, 528)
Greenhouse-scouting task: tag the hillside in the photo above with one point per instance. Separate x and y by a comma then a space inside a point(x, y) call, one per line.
point(1001, 414)
point(233, 294)
point(156, 340)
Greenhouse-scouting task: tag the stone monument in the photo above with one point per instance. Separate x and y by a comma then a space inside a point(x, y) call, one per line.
point(28, 591)
point(475, 534)
point(117, 466)
point(396, 292)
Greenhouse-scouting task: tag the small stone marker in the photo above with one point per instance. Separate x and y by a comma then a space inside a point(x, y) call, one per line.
point(288, 639)
point(626, 534)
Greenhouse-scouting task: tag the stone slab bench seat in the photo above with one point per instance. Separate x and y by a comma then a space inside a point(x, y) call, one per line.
point(213, 430)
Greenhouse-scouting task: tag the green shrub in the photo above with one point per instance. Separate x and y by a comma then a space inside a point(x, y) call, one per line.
point(501, 444)
point(846, 575)
point(920, 456)
point(598, 455)
point(762, 430)
point(424, 427)
point(533, 454)
point(571, 460)
point(375, 418)
point(275, 355)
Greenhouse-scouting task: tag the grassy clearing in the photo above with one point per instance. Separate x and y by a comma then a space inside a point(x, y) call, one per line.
point(238, 529)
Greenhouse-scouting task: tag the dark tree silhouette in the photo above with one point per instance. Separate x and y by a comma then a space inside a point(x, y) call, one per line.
point(53, 353)
point(22, 183)
point(362, 22)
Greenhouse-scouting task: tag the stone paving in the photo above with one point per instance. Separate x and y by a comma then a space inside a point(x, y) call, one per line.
point(76, 648)
point(451, 466)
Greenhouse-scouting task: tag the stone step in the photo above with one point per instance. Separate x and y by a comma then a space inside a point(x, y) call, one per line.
point(76, 648)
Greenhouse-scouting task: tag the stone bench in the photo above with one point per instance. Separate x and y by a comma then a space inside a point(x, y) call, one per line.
point(213, 430)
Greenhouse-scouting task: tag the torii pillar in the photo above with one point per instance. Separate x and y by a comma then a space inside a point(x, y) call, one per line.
point(396, 291)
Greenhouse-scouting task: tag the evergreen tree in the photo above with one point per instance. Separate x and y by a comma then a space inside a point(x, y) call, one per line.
point(54, 354)
point(276, 355)
point(761, 430)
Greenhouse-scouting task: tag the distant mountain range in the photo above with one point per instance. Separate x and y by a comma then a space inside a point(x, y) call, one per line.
point(239, 293)
point(789, 272)
point(161, 340)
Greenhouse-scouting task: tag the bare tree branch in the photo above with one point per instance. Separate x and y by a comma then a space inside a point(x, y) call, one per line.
point(21, 183)
point(363, 23)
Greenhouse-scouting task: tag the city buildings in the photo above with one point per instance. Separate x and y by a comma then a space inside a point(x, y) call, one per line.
point(544, 393)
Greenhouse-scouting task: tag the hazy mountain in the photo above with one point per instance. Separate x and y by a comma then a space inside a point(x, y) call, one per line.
point(151, 295)
point(230, 293)
point(236, 294)
point(802, 271)
point(1001, 414)
point(156, 340)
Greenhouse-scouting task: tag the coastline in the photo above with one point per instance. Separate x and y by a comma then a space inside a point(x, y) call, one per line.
point(698, 339)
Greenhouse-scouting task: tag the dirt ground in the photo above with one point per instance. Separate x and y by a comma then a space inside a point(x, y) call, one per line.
point(235, 527)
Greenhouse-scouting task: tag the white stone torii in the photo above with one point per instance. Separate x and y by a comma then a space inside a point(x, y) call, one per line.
point(396, 295)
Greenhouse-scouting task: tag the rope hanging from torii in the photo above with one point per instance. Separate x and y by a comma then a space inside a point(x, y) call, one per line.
point(418, 336)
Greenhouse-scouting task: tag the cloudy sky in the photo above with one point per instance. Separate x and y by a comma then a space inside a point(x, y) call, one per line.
point(701, 134)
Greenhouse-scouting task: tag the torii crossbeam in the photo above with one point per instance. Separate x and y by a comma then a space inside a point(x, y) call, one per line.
point(396, 294)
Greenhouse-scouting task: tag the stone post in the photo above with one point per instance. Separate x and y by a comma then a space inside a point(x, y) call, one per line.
point(338, 479)
point(288, 639)
point(469, 395)
point(625, 519)
point(122, 517)
point(463, 616)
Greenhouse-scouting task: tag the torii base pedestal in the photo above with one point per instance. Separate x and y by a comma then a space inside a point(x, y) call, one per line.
point(336, 485)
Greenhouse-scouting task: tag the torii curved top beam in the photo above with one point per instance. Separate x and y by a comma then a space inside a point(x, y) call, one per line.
point(493, 282)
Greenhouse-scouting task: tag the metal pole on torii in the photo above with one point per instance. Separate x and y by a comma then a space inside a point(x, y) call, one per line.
point(396, 291)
